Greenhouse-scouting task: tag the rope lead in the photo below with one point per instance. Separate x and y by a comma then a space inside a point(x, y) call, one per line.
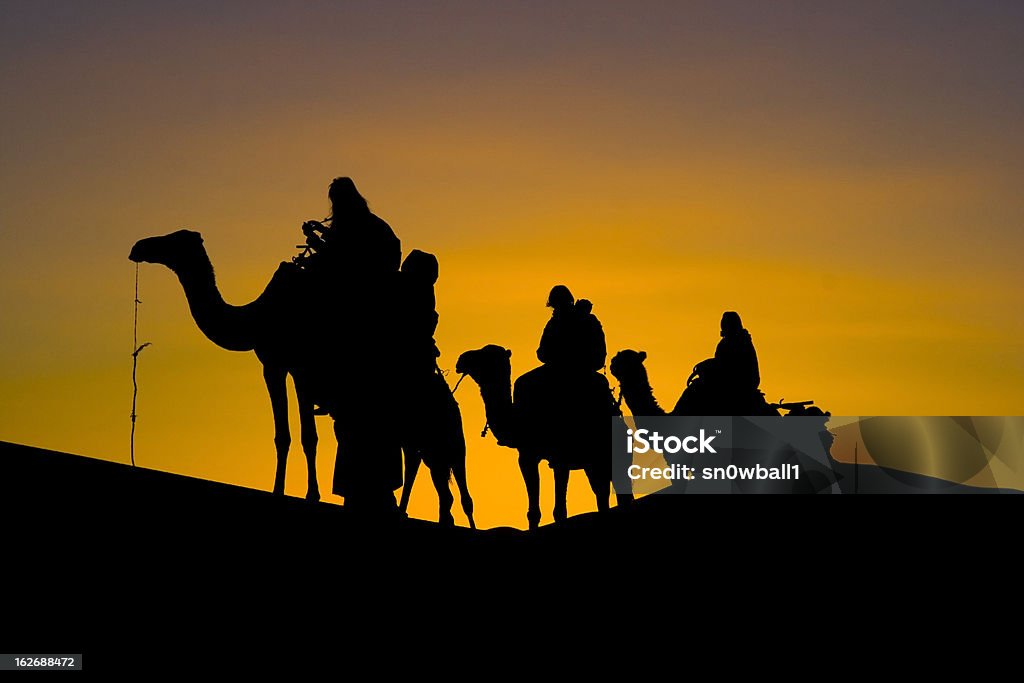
point(135, 361)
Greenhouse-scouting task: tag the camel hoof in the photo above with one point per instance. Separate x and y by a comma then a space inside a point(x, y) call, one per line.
point(447, 521)
point(278, 491)
point(533, 519)
point(313, 496)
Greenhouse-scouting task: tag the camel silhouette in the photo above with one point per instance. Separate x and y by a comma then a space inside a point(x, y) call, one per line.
point(434, 435)
point(697, 398)
point(265, 326)
point(548, 418)
point(752, 443)
point(279, 327)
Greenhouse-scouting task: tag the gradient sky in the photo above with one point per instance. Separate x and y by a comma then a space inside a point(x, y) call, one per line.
point(846, 175)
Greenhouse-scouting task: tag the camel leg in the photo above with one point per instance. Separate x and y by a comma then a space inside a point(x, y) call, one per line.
point(561, 491)
point(309, 438)
point(278, 390)
point(529, 466)
point(412, 466)
point(459, 472)
point(601, 485)
point(444, 496)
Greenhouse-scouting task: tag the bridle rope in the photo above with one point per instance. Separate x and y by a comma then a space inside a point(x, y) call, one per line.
point(135, 361)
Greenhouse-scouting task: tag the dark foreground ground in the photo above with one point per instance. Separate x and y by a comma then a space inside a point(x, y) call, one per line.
point(146, 569)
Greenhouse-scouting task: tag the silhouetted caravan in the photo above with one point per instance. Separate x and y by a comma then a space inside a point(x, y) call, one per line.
point(546, 418)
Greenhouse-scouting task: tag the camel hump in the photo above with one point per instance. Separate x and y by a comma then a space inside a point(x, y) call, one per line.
point(550, 391)
point(422, 265)
point(282, 283)
point(286, 272)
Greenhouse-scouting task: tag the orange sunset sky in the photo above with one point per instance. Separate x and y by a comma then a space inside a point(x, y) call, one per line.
point(846, 175)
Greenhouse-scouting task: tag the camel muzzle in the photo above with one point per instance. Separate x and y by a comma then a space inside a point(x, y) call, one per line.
point(136, 254)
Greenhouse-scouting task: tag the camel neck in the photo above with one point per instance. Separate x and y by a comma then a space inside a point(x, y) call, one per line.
point(497, 396)
point(639, 396)
point(227, 326)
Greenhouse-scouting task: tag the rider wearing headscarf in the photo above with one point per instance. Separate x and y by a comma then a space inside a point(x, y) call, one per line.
point(735, 357)
point(573, 338)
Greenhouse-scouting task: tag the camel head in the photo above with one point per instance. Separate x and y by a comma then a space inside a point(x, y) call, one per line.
point(491, 363)
point(176, 250)
point(807, 411)
point(628, 367)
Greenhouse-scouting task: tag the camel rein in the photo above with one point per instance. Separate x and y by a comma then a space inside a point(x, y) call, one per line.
point(487, 425)
point(461, 377)
point(135, 361)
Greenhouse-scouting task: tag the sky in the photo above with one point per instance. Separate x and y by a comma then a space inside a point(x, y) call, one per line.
point(844, 175)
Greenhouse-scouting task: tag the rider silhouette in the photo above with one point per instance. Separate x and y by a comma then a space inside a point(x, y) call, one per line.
point(735, 357)
point(354, 242)
point(573, 338)
point(418, 312)
point(353, 271)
